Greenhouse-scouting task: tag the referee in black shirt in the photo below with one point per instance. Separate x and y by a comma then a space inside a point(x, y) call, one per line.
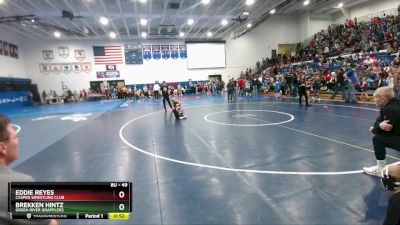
point(302, 89)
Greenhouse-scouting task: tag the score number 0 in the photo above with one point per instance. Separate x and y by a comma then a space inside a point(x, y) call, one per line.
point(121, 194)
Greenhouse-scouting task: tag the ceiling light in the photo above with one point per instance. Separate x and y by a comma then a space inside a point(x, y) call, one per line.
point(205, 2)
point(306, 2)
point(1, 2)
point(113, 35)
point(249, 2)
point(32, 20)
point(103, 20)
point(272, 11)
point(143, 1)
point(249, 25)
point(181, 34)
point(246, 13)
point(57, 34)
point(224, 22)
point(340, 5)
point(190, 21)
point(143, 22)
point(144, 34)
point(209, 34)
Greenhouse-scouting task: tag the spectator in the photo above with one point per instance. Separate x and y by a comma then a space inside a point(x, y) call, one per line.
point(156, 89)
point(364, 88)
point(317, 87)
point(230, 87)
point(302, 89)
point(165, 95)
point(340, 85)
point(350, 82)
point(386, 129)
point(9, 152)
point(44, 97)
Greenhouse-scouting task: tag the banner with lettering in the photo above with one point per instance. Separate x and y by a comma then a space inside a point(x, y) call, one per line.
point(146, 52)
point(174, 51)
point(107, 74)
point(165, 51)
point(133, 54)
point(13, 51)
point(182, 51)
point(156, 51)
point(10, 99)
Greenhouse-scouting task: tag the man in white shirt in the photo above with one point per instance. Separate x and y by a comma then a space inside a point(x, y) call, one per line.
point(156, 90)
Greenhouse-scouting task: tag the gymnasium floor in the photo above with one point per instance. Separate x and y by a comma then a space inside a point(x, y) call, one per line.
point(256, 161)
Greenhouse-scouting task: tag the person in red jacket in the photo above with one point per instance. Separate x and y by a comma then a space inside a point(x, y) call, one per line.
point(241, 86)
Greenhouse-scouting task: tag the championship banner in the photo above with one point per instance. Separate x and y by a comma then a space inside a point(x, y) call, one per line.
point(156, 51)
point(66, 68)
point(63, 52)
point(86, 67)
point(133, 54)
point(56, 68)
point(77, 68)
point(182, 51)
point(146, 52)
point(165, 51)
point(80, 54)
point(174, 51)
point(1, 47)
point(13, 51)
point(107, 74)
point(5, 48)
point(48, 55)
point(44, 68)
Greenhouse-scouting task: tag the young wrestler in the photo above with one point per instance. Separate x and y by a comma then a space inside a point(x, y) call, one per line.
point(177, 110)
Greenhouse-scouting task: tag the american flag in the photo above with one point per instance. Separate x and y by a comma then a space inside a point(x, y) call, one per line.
point(107, 54)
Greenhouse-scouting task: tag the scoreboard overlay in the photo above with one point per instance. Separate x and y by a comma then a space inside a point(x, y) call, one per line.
point(70, 200)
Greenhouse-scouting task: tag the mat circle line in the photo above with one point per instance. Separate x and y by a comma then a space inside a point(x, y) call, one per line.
point(16, 126)
point(206, 118)
point(226, 168)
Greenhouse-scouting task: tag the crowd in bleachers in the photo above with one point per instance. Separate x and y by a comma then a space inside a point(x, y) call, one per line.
point(369, 51)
